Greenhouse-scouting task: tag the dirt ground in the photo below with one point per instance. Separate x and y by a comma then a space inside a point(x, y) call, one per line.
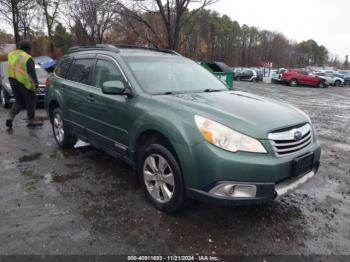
point(82, 201)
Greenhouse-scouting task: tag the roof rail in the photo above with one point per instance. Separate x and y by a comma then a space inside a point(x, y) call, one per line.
point(163, 50)
point(111, 48)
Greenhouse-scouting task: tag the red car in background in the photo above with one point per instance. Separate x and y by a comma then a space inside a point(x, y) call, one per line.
point(302, 77)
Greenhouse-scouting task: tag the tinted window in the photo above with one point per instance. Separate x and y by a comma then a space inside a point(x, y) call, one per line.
point(62, 68)
point(106, 71)
point(80, 71)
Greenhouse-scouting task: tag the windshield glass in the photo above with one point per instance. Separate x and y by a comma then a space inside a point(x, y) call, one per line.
point(158, 75)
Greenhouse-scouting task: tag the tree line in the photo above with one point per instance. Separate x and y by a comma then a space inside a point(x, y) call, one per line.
point(187, 26)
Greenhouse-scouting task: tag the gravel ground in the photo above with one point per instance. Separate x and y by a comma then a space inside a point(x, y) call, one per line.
point(82, 201)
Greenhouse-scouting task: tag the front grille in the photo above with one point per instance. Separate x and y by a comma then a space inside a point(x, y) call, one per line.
point(292, 140)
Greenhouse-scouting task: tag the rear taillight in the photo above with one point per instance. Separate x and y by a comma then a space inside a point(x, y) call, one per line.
point(47, 82)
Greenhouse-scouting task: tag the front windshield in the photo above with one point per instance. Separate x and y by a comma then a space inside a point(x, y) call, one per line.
point(159, 75)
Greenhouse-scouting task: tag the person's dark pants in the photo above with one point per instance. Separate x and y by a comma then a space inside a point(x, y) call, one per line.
point(24, 99)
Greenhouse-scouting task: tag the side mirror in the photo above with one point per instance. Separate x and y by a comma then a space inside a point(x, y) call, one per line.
point(113, 87)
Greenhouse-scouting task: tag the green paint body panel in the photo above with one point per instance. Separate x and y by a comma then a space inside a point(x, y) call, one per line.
point(120, 120)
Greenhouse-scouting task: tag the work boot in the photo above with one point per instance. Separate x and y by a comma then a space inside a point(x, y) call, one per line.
point(34, 123)
point(9, 123)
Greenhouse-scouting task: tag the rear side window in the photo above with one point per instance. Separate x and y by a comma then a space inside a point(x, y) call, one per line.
point(80, 70)
point(62, 68)
point(106, 71)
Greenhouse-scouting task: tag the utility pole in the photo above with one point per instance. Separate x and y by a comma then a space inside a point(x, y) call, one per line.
point(346, 63)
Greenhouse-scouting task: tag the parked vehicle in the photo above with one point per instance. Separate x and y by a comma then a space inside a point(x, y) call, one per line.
point(6, 94)
point(46, 62)
point(179, 127)
point(346, 75)
point(276, 76)
point(247, 75)
point(302, 77)
point(331, 79)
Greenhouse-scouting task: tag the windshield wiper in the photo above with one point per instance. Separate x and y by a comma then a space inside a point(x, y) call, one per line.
point(208, 90)
point(168, 93)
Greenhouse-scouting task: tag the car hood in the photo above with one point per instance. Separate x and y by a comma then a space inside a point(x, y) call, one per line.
point(241, 111)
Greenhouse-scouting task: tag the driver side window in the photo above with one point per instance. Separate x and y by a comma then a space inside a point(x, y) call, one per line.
point(106, 71)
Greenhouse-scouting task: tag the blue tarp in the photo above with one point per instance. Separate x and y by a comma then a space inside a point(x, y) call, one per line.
point(49, 65)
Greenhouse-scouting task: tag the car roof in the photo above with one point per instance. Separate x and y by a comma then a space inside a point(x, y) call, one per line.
point(122, 50)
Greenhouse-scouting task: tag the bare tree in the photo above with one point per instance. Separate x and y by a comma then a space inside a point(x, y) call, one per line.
point(51, 11)
point(171, 14)
point(93, 17)
point(18, 13)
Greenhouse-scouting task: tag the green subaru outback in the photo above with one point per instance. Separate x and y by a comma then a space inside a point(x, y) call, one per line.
point(184, 132)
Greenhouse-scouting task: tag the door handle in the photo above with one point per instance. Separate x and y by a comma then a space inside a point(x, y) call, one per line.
point(91, 98)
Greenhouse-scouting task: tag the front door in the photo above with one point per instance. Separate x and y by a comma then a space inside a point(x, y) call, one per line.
point(108, 114)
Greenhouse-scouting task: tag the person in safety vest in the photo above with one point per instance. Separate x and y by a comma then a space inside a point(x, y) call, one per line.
point(24, 83)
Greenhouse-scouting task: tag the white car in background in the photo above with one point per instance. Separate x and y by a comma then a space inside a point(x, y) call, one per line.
point(330, 78)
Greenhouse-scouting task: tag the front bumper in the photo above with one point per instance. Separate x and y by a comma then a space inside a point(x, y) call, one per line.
point(265, 192)
point(208, 166)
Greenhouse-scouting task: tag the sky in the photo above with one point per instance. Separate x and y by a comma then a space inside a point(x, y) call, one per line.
point(325, 21)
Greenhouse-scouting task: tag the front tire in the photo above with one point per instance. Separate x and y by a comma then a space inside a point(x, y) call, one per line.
point(337, 83)
point(161, 178)
point(5, 100)
point(60, 132)
point(321, 85)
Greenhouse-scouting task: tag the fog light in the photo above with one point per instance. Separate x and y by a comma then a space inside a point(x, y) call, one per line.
point(234, 190)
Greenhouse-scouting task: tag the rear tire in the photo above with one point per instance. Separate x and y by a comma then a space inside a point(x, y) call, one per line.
point(161, 178)
point(5, 99)
point(60, 132)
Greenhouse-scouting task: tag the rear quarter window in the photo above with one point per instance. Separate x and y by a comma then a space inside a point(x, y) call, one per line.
point(63, 66)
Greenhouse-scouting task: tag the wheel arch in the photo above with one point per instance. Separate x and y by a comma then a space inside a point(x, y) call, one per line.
point(153, 135)
point(174, 137)
point(52, 105)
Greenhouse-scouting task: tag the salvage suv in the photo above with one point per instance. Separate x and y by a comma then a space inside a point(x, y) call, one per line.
point(184, 132)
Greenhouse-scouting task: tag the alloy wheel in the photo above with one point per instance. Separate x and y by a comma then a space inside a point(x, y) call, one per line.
point(3, 99)
point(159, 178)
point(58, 127)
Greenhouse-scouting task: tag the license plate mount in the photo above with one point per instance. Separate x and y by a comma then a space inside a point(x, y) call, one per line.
point(303, 164)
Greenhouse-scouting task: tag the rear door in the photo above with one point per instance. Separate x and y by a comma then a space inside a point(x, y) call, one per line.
point(246, 74)
point(77, 93)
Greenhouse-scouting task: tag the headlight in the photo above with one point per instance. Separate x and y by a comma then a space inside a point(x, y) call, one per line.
point(226, 138)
